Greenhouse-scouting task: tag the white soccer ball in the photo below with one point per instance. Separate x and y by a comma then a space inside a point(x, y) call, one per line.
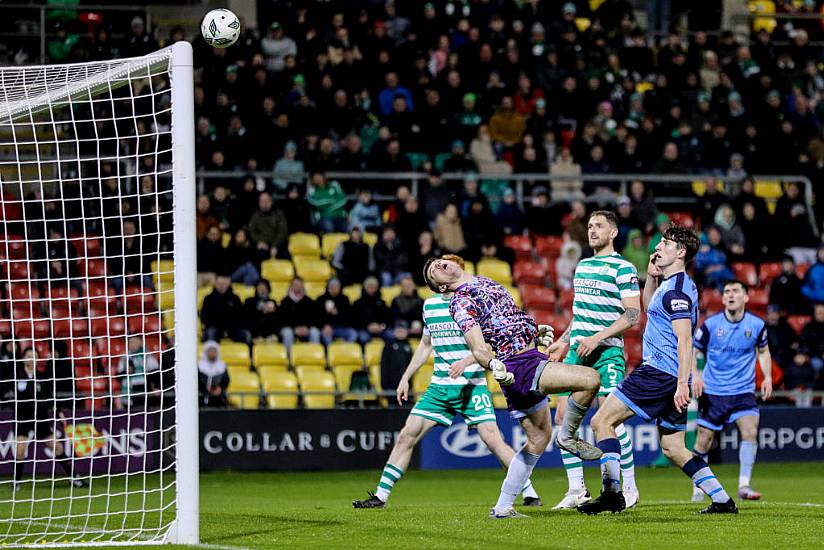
point(220, 28)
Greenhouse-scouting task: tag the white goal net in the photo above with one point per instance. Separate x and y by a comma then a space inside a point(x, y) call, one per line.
point(97, 295)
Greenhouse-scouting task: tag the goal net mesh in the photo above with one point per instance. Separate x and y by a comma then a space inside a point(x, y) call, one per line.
point(87, 403)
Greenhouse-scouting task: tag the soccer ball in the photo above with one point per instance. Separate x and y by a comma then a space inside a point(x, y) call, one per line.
point(220, 28)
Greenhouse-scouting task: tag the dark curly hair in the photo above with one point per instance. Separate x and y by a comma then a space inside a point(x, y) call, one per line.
point(684, 238)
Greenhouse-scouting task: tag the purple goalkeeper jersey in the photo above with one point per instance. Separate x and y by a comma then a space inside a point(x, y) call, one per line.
point(485, 303)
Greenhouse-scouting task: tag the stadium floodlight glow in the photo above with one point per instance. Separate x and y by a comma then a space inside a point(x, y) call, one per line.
point(97, 276)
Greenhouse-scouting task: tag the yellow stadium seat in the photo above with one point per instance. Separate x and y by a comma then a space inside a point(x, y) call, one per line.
point(163, 269)
point(285, 382)
point(343, 375)
point(469, 267)
point(330, 241)
point(425, 292)
point(169, 320)
point(595, 4)
point(643, 87)
point(372, 352)
point(244, 390)
point(235, 354)
point(388, 293)
point(699, 187)
point(314, 289)
point(236, 370)
point(313, 269)
point(344, 354)
point(768, 189)
point(370, 238)
point(320, 386)
point(353, 292)
point(308, 354)
point(202, 292)
point(242, 291)
point(497, 270)
point(375, 377)
point(582, 23)
point(165, 295)
point(277, 270)
point(278, 290)
point(269, 354)
point(272, 373)
point(421, 379)
point(304, 244)
point(498, 399)
point(516, 295)
point(226, 240)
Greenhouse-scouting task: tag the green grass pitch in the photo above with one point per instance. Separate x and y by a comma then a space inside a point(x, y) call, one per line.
point(448, 509)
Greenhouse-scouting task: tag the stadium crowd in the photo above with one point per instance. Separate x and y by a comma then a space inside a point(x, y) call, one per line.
point(488, 89)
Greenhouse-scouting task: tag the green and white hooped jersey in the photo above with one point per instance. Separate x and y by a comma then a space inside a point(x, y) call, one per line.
point(448, 344)
point(600, 283)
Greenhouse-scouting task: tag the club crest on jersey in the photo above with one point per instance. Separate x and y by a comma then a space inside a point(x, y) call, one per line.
point(603, 271)
point(747, 334)
point(719, 333)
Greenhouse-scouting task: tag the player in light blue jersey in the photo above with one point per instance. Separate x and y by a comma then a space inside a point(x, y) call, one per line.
point(659, 390)
point(730, 341)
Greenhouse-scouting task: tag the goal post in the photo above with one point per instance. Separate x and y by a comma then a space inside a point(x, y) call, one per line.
point(98, 320)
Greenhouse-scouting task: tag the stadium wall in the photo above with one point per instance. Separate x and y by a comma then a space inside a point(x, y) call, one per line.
point(356, 439)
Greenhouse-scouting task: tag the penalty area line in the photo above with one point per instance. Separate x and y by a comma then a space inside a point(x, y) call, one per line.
point(756, 502)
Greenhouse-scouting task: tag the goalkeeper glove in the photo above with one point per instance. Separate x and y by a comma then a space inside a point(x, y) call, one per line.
point(546, 335)
point(500, 374)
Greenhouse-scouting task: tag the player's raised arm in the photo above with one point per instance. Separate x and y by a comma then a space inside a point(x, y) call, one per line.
point(419, 357)
point(651, 285)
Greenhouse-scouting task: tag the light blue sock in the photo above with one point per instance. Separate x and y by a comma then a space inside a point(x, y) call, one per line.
point(704, 479)
point(746, 458)
point(611, 464)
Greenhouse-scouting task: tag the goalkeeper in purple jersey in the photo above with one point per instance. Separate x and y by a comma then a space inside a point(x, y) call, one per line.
point(486, 313)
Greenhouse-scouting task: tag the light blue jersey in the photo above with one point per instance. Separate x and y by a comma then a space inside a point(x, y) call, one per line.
point(731, 350)
point(675, 298)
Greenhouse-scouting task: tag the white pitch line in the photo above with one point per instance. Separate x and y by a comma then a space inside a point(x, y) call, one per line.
point(757, 503)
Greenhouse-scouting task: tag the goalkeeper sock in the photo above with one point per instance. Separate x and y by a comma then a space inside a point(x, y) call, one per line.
point(627, 462)
point(573, 417)
point(519, 471)
point(389, 477)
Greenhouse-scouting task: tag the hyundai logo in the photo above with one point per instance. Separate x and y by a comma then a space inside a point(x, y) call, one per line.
point(461, 442)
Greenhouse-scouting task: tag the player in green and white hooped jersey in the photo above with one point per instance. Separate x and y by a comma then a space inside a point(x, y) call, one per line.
point(607, 302)
point(448, 394)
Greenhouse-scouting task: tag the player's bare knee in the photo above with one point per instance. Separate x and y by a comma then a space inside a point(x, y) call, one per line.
point(406, 438)
point(749, 434)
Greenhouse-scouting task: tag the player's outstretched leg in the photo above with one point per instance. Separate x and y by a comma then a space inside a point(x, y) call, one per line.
point(577, 492)
point(538, 428)
point(584, 383)
point(748, 426)
point(628, 487)
point(491, 436)
point(412, 432)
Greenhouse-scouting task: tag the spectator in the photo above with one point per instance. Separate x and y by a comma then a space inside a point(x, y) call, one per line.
point(396, 355)
point(288, 167)
point(222, 207)
point(711, 262)
point(209, 256)
point(212, 376)
point(637, 253)
point(710, 201)
point(669, 162)
point(277, 47)
point(128, 258)
point(566, 263)
point(370, 313)
point(510, 215)
point(542, 218)
point(329, 202)
point(484, 155)
point(470, 193)
point(626, 221)
point(365, 214)
point(138, 371)
point(642, 205)
point(577, 226)
point(300, 316)
point(566, 169)
point(812, 339)
point(296, 210)
point(222, 314)
point(139, 42)
point(436, 195)
point(390, 257)
point(732, 236)
point(245, 202)
point(205, 219)
point(792, 216)
point(336, 314)
point(408, 306)
point(482, 236)
point(410, 224)
point(468, 120)
point(507, 126)
point(782, 338)
point(417, 259)
point(813, 286)
point(785, 290)
point(448, 231)
point(747, 195)
point(392, 90)
point(242, 260)
point(262, 313)
point(757, 235)
point(268, 227)
point(458, 161)
point(352, 258)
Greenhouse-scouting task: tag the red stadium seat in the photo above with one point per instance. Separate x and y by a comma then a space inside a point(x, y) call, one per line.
point(537, 297)
point(521, 244)
point(92, 268)
point(86, 247)
point(70, 328)
point(111, 351)
point(682, 218)
point(633, 349)
point(23, 291)
point(801, 270)
point(144, 324)
point(81, 353)
point(138, 300)
point(565, 299)
point(711, 301)
point(798, 322)
point(548, 246)
point(529, 272)
point(559, 322)
point(32, 329)
point(759, 300)
point(63, 299)
point(746, 272)
point(19, 270)
point(117, 326)
point(768, 271)
point(17, 248)
point(5, 328)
